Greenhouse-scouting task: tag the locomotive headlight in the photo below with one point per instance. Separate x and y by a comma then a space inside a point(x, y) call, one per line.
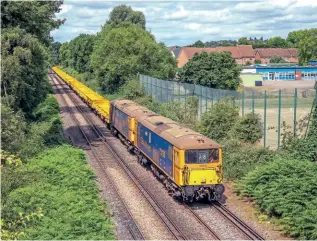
point(219, 188)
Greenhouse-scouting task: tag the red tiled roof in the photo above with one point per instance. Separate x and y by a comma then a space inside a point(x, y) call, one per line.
point(191, 51)
point(246, 50)
point(239, 51)
point(269, 52)
point(293, 52)
point(235, 53)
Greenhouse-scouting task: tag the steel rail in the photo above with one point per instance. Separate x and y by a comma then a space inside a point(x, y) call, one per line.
point(177, 233)
point(234, 219)
point(133, 227)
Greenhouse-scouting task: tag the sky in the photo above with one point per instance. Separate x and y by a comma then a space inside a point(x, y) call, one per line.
point(184, 22)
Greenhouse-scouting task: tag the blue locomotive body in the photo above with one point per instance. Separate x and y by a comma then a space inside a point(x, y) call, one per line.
point(156, 148)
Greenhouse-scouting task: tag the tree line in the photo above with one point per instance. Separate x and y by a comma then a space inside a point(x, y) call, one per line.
point(119, 51)
point(304, 40)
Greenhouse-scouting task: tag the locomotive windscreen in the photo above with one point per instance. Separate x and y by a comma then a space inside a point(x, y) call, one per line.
point(202, 156)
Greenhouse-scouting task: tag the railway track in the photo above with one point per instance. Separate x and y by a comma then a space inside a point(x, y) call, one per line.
point(132, 226)
point(175, 230)
point(169, 223)
point(234, 219)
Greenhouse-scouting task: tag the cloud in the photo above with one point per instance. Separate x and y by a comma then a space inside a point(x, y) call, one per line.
point(182, 23)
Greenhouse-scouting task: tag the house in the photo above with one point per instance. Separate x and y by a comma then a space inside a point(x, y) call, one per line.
point(264, 54)
point(241, 53)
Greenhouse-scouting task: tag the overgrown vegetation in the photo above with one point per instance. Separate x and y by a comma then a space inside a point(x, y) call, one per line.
point(53, 196)
point(47, 190)
point(218, 121)
point(248, 128)
point(286, 189)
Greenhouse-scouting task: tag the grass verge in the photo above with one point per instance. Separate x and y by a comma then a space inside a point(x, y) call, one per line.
point(58, 190)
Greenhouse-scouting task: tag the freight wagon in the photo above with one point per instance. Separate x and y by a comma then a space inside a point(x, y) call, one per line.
point(188, 163)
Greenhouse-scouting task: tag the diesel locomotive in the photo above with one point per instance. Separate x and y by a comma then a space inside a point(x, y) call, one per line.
point(188, 163)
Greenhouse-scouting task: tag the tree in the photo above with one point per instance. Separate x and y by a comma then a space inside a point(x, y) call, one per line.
point(277, 59)
point(64, 54)
point(54, 53)
point(124, 14)
point(24, 70)
point(215, 70)
point(198, 44)
point(296, 36)
point(78, 52)
point(277, 42)
point(35, 17)
point(243, 41)
point(307, 47)
point(257, 61)
point(123, 52)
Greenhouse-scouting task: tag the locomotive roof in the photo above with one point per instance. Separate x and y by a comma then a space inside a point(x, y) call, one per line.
point(131, 108)
point(181, 137)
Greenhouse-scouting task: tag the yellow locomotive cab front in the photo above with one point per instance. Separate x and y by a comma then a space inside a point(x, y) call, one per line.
point(204, 167)
point(202, 174)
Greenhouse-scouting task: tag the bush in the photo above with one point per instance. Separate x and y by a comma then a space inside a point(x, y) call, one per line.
point(240, 158)
point(287, 190)
point(132, 89)
point(47, 109)
point(217, 121)
point(60, 184)
point(248, 128)
point(301, 147)
point(45, 131)
point(13, 127)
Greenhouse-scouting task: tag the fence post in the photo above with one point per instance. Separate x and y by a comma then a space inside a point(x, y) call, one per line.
point(173, 90)
point(264, 131)
point(151, 87)
point(295, 108)
point(185, 98)
point(212, 98)
point(147, 85)
point(242, 103)
point(161, 91)
point(279, 120)
point(206, 99)
point(253, 102)
point(201, 100)
point(179, 91)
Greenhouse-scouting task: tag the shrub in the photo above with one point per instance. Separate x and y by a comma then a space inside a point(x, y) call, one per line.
point(239, 158)
point(301, 147)
point(132, 89)
point(217, 121)
point(287, 190)
point(257, 61)
point(248, 63)
point(248, 128)
point(13, 127)
point(46, 130)
point(45, 110)
point(61, 184)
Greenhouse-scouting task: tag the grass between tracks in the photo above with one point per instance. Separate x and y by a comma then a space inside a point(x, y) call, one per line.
point(50, 193)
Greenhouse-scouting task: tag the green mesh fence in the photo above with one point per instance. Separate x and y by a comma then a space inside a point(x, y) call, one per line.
point(275, 107)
